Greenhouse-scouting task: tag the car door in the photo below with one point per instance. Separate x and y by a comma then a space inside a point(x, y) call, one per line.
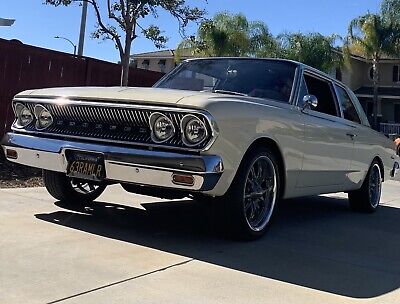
point(328, 144)
point(362, 135)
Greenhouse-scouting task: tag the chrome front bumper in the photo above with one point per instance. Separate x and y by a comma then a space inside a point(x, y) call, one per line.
point(126, 165)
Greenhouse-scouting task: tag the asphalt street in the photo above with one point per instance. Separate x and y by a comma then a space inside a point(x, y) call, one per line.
point(134, 249)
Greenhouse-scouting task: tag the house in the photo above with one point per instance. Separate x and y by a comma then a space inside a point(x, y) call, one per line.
point(359, 77)
point(160, 61)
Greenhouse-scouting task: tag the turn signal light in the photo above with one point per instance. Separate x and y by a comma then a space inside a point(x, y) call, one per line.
point(11, 154)
point(180, 179)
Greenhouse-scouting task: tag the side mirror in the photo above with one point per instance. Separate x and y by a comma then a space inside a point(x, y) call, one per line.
point(310, 102)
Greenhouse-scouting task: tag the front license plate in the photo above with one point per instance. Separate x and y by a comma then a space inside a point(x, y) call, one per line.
point(84, 165)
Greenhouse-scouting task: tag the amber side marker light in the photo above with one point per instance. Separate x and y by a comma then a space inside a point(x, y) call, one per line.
point(180, 179)
point(11, 154)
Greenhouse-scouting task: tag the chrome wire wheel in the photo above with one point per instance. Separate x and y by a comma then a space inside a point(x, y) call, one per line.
point(84, 187)
point(260, 193)
point(375, 185)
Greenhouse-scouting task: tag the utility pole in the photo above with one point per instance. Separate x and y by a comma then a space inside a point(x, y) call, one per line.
point(83, 28)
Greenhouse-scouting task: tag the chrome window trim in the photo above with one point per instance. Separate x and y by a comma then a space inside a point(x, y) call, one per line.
point(96, 103)
point(344, 88)
point(312, 73)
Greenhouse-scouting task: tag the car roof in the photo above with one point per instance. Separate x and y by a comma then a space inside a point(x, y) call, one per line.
point(297, 63)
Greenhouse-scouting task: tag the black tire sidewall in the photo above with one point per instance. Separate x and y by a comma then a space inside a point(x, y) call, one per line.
point(233, 199)
point(360, 200)
point(60, 187)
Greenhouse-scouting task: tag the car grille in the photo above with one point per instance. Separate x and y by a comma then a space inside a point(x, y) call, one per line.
point(123, 124)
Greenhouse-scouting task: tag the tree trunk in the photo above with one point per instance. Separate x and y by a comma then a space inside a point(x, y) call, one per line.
point(125, 60)
point(125, 70)
point(375, 66)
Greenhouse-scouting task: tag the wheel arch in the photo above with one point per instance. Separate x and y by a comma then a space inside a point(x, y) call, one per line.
point(381, 166)
point(272, 145)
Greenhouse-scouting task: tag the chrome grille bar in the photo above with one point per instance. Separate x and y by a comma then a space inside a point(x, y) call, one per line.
point(118, 123)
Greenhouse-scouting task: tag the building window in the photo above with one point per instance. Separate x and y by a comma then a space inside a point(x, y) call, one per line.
point(397, 113)
point(133, 63)
point(162, 64)
point(339, 74)
point(396, 75)
point(146, 64)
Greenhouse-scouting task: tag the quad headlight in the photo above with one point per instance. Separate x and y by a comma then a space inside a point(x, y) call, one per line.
point(194, 130)
point(43, 117)
point(23, 115)
point(162, 128)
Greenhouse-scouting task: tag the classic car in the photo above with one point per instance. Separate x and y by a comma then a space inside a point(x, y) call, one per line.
point(241, 132)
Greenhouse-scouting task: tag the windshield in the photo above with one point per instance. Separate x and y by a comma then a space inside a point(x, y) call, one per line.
point(270, 79)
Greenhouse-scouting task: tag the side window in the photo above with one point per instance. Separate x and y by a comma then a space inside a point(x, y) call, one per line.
point(349, 111)
point(322, 89)
point(303, 92)
point(359, 108)
point(396, 73)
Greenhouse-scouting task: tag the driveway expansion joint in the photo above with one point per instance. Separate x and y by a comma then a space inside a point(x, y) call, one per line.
point(122, 281)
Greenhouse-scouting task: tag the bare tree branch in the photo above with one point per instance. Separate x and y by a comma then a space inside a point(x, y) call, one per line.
point(111, 15)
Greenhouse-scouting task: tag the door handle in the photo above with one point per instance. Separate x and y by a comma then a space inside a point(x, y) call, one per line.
point(351, 135)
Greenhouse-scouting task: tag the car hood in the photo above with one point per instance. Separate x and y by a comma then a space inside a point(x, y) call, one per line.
point(150, 96)
point(128, 95)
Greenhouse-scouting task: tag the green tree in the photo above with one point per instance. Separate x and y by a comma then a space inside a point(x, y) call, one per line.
point(390, 10)
point(122, 22)
point(373, 37)
point(312, 49)
point(228, 35)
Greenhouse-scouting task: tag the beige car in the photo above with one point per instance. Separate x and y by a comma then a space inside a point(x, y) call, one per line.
point(242, 133)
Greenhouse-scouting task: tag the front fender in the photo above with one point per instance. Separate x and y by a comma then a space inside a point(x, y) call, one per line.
point(241, 123)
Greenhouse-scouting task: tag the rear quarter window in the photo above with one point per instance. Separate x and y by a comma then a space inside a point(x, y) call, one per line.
point(349, 110)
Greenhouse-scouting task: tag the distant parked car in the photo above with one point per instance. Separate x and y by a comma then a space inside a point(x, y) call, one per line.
point(244, 132)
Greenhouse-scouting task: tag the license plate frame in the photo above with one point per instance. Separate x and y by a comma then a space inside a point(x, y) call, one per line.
point(85, 165)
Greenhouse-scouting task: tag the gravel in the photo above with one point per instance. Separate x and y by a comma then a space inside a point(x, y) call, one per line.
point(18, 176)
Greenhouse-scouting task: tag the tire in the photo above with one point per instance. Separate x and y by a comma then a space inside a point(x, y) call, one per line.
point(249, 219)
point(71, 191)
point(367, 198)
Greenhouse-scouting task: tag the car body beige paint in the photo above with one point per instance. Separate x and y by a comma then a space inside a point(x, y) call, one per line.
point(317, 159)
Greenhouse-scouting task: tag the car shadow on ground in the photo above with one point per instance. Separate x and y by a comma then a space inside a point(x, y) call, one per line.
point(315, 242)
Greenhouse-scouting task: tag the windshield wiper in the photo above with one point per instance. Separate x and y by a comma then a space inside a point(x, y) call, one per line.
point(229, 92)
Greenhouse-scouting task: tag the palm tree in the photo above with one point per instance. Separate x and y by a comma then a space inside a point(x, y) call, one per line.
point(313, 49)
point(373, 37)
point(228, 35)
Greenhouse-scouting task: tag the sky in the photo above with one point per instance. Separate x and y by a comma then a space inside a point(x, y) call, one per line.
point(38, 24)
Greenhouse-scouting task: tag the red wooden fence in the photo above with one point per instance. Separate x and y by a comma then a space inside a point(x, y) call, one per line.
point(25, 67)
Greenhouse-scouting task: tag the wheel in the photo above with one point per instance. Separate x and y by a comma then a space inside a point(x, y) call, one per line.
point(253, 195)
point(71, 191)
point(367, 198)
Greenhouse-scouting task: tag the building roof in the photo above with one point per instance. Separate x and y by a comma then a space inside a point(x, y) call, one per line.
point(382, 91)
point(164, 54)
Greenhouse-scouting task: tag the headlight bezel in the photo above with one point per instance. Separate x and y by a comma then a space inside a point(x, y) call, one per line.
point(188, 118)
point(17, 113)
point(154, 117)
point(38, 110)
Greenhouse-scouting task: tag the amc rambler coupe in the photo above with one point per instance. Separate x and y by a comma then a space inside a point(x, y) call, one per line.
point(242, 133)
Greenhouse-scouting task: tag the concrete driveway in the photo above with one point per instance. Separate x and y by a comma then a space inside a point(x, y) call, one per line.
point(135, 249)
